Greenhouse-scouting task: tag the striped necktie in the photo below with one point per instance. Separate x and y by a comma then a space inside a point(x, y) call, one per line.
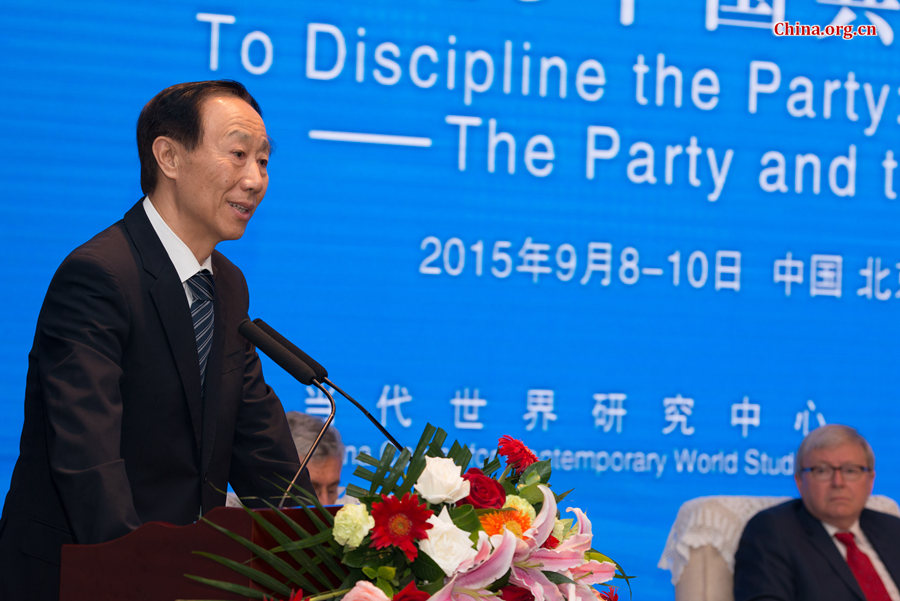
point(862, 568)
point(203, 289)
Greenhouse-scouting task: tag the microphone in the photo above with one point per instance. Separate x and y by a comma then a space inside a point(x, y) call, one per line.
point(294, 365)
point(322, 374)
point(276, 351)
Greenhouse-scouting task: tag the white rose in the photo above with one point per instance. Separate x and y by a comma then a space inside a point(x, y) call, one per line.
point(448, 545)
point(441, 481)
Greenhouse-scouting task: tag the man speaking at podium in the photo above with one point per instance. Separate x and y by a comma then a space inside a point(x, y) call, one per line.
point(142, 400)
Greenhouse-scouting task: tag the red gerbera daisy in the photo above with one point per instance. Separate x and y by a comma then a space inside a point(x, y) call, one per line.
point(518, 456)
point(399, 522)
point(610, 595)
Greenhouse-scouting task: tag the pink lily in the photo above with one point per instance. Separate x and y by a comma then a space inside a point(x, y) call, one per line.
point(531, 560)
point(588, 572)
point(527, 570)
point(471, 581)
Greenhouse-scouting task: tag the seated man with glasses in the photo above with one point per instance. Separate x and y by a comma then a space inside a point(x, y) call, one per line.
point(824, 546)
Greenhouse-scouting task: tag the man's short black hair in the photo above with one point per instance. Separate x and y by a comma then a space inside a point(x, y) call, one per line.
point(175, 112)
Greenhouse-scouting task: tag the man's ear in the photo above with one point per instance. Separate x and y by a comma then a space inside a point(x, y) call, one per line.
point(168, 155)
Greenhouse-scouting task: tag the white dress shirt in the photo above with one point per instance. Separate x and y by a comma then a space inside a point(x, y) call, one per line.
point(863, 543)
point(186, 264)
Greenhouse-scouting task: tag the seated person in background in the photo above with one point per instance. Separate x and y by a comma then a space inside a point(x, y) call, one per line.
point(324, 466)
point(824, 546)
point(326, 463)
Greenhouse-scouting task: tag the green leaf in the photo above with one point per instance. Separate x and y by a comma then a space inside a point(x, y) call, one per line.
point(385, 476)
point(231, 587)
point(261, 578)
point(567, 525)
point(366, 556)
point(367, 459)
point(538, 471)
point(266, 556)
point(386, 587)
point(466, 518)
point(387, 572)
point(431, 587)
point(460, 455)
point(532, 494)
point(620, 573)
point(557, 578)
point(357, 558)
point(296, 552)
point(356, 491)
point(627, 583)
point(427, 570)
point(562, 496)
point(397, 471)
point(432, 440)
point(598, 556)
point(326, 549)
point(330, 594)
point(491, 465)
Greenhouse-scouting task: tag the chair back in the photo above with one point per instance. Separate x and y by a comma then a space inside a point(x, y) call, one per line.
point(703, 539)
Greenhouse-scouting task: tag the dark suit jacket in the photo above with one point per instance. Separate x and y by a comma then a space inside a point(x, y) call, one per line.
point(117, 432)
point(785, 554)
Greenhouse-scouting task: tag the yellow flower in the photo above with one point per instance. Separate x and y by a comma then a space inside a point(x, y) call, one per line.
point(520, 504)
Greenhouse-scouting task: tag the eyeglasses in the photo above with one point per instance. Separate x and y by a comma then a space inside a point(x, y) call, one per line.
point(849, 472)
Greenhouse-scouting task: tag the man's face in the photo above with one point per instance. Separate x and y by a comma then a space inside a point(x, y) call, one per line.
point(325, 475)
point(223, 179)
point(836, 501)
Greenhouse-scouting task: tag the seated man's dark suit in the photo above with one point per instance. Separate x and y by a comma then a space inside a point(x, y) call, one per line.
point(785, 554)
point(118, 429)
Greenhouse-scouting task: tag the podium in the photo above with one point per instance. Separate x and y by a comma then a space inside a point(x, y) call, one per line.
point(150, 563)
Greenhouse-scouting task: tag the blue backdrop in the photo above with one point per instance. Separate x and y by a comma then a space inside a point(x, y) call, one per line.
point(656, 243)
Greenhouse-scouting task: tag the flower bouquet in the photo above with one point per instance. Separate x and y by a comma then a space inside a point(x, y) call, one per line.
point(429, 528)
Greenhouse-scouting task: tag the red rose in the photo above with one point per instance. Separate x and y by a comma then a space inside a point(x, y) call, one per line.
point(551, 543)
point(610, 595)
point(410, 593)
point(515, 593)
point(484, 492)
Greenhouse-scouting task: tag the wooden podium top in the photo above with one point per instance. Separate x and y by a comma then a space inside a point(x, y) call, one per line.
point(150, 563)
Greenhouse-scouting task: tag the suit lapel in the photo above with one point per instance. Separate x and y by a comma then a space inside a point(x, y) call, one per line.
point(883, 543)
point(167, 293)
point(822, 543)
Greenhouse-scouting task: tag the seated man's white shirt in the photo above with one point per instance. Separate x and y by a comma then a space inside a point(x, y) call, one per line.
point(863, 543)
